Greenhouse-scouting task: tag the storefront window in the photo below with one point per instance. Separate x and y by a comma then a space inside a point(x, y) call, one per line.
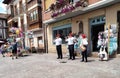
point(62, 30)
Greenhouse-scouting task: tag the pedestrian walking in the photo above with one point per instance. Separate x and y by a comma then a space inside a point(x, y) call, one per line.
point(2, 50)
point(58, 43)
point(83, 47)
point(14, 50)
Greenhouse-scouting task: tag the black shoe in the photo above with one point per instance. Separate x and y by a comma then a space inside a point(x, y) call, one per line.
point(12, 58)
point(58, 58)
point(16, 57)
point(81, 60)
point(86, 61)
point(69, 58)
point(73, 59)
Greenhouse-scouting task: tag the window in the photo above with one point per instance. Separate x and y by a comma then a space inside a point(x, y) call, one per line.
point(33, 15)
point(97, 20)
point(62, 30)
point(74, 1)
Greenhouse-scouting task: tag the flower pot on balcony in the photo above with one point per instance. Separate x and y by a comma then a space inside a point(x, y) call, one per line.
point(54, 14)
point(52, 7)
point(84, 4)
point(71, 7)
point(77, 4)
point(65, 9)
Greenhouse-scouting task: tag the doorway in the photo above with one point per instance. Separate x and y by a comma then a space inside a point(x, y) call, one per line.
point(96, 26)
point(95, 29)
point(118, 20)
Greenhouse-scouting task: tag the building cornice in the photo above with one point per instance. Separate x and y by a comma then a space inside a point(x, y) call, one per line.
point(6, 1)
point(35, 29)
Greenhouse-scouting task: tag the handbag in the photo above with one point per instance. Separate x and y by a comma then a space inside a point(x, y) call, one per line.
point(82, 48)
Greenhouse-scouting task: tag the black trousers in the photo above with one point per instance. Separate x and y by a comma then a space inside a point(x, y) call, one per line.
point(59, 51)
point(84, 54)
point(71, 51)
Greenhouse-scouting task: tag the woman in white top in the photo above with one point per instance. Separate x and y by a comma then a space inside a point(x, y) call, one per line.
point(84, 42)
point(58, 43)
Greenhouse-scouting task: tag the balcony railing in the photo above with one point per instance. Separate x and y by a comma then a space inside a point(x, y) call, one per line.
point(62, 7)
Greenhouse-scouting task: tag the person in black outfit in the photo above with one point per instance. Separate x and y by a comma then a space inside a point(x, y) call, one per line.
point(58, 42)
point(85, 44)
point(14, 50)
point(70, 41)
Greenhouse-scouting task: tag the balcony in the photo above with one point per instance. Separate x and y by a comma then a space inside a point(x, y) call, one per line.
point(77, 10)
point(61, 7)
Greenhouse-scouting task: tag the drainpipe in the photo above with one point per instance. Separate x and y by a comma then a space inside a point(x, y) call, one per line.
point(45, 38)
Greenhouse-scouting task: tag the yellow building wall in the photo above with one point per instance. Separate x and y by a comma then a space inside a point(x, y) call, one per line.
point(111, 14)
point(48, 3)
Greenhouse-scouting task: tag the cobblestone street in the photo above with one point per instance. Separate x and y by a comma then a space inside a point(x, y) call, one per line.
point(47, 66)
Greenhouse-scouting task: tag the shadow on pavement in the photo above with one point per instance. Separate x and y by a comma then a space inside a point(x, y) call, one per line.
point(91, 60)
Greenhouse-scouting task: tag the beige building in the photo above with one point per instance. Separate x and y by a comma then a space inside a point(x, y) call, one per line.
point(17, 18)
point(91, 19)
point(35, 29)
point(26, 16)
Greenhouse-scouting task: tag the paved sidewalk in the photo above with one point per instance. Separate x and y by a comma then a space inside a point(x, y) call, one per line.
point(47, 66)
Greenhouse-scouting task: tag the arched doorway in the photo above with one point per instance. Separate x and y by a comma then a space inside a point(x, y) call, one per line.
point(80, 26)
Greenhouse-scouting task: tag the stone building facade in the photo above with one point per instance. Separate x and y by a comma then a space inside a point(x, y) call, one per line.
point(90, 18)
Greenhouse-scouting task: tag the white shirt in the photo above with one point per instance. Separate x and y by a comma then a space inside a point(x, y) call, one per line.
point(58, 41)
point(84, 41)
point(70, 40)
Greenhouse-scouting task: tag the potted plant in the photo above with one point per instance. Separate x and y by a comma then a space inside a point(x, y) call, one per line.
point(77, 4)
point(52, 7)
